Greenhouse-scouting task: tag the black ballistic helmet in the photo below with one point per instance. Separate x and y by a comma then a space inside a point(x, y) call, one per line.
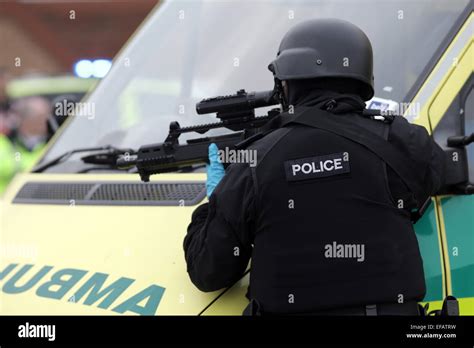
point(326, 48)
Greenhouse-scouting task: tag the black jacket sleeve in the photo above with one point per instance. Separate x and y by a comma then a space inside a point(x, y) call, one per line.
point(218, 244)
point(415, 142)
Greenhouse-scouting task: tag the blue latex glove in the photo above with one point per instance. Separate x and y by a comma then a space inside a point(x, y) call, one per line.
point(215, 169)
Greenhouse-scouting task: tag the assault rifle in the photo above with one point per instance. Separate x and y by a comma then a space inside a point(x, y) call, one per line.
point(236, 113)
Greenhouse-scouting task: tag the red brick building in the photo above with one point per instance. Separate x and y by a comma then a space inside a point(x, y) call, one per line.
point(50, 36)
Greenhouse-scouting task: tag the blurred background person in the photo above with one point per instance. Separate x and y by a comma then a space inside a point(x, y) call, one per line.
point(5, 122)
point(52, 49)
point(20, 149)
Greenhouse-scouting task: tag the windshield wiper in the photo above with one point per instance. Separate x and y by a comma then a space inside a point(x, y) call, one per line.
point(108, 152)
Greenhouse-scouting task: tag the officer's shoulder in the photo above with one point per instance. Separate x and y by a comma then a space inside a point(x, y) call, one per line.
point(397, 122)
point(412, 137)
point(268, 140)
point(265, 145)
point(401, 125)
point(387, 116)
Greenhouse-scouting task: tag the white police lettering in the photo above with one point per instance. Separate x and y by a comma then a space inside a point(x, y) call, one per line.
point(316, 167)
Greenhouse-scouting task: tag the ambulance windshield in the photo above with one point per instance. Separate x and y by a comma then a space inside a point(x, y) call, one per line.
point(188, 50)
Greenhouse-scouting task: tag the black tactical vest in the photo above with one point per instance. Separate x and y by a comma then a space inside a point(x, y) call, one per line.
point(328, 232)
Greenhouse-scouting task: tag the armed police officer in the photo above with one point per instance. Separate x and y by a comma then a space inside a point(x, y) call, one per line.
point(327, 213)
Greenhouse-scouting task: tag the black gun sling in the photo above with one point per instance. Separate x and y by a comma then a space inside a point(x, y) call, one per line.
point(404, 167)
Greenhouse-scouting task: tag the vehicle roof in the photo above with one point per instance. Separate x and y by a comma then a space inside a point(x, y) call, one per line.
point(48, 85)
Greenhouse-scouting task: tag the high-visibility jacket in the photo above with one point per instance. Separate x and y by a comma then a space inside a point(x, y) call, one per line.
point(15, 158)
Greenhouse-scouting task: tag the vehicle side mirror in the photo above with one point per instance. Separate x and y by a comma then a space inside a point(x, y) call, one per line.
point(457, 166)
point(460, 140)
